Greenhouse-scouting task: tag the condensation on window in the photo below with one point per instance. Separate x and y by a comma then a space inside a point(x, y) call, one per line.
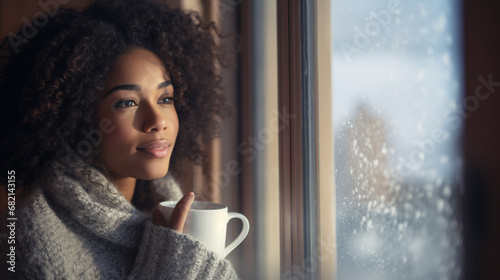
point(397, 123)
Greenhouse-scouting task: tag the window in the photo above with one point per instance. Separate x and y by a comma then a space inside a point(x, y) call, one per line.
point(397, 92)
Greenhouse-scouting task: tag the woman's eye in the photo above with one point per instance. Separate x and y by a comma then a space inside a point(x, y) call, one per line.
point(167, 100)
point(125, 103)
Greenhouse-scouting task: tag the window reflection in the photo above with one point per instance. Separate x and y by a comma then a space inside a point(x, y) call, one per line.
point(396, 94)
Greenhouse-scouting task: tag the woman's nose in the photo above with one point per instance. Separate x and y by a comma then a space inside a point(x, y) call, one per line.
point(153, 119)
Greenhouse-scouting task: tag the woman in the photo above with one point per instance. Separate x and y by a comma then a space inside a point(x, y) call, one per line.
point(94, 104)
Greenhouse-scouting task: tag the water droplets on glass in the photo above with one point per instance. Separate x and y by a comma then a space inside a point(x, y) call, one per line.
point(396, 71)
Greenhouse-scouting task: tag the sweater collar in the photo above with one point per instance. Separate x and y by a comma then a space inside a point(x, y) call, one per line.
point(87, 200)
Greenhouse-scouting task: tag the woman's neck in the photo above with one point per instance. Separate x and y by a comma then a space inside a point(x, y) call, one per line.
point(126, 186)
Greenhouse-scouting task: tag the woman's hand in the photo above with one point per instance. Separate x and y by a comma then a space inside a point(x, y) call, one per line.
point(178, 217)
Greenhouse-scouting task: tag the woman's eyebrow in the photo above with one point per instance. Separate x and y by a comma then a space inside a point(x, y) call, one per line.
point(164, 84)
point(136, 87)
point(124, 87)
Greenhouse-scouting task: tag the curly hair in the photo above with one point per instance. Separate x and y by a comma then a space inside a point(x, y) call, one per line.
point(49, 85)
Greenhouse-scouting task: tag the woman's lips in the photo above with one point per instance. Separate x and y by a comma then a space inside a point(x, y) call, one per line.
point(157, 149)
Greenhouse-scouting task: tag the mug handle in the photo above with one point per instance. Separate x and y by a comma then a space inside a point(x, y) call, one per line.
point(241, 236)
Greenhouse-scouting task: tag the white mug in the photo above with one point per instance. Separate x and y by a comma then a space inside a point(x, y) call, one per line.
point(207, 223)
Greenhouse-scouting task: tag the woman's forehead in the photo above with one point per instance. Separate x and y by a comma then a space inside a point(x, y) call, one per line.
point(137, 64)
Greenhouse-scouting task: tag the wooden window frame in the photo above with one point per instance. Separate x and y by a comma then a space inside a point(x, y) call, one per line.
point(306, 160)
point(290, 140)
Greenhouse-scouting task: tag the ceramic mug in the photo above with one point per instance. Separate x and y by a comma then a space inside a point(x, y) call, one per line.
point(207, 223)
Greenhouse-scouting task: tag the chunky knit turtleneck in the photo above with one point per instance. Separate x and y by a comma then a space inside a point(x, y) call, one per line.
point(80, 227)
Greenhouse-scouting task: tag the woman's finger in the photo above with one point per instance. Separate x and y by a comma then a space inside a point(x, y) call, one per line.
point(178, 217)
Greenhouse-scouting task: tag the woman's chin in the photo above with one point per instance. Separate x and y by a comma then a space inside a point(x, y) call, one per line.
point(152, 175)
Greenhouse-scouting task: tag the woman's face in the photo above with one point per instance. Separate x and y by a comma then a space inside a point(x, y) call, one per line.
point(138, 102)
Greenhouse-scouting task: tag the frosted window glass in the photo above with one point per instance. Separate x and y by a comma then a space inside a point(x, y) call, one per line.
point(397, 123)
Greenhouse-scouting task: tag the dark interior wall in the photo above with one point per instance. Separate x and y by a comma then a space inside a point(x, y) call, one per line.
point(482, 138)
point(12, 13)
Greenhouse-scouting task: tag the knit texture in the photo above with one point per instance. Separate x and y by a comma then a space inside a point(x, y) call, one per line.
point(78, 228)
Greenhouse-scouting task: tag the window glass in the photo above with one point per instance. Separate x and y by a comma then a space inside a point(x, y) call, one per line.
point(397, 117)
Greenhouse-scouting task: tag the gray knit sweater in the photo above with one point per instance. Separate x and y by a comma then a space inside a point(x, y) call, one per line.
point(77, 229)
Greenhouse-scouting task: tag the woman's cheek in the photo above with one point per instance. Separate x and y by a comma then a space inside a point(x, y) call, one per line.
point(175, 124)
point(119, 136)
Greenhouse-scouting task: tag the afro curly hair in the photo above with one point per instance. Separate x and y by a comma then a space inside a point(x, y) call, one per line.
point(51, 83)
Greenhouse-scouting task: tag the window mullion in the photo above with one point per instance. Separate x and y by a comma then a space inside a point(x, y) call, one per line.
point(308, 98)
point(297, 97)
